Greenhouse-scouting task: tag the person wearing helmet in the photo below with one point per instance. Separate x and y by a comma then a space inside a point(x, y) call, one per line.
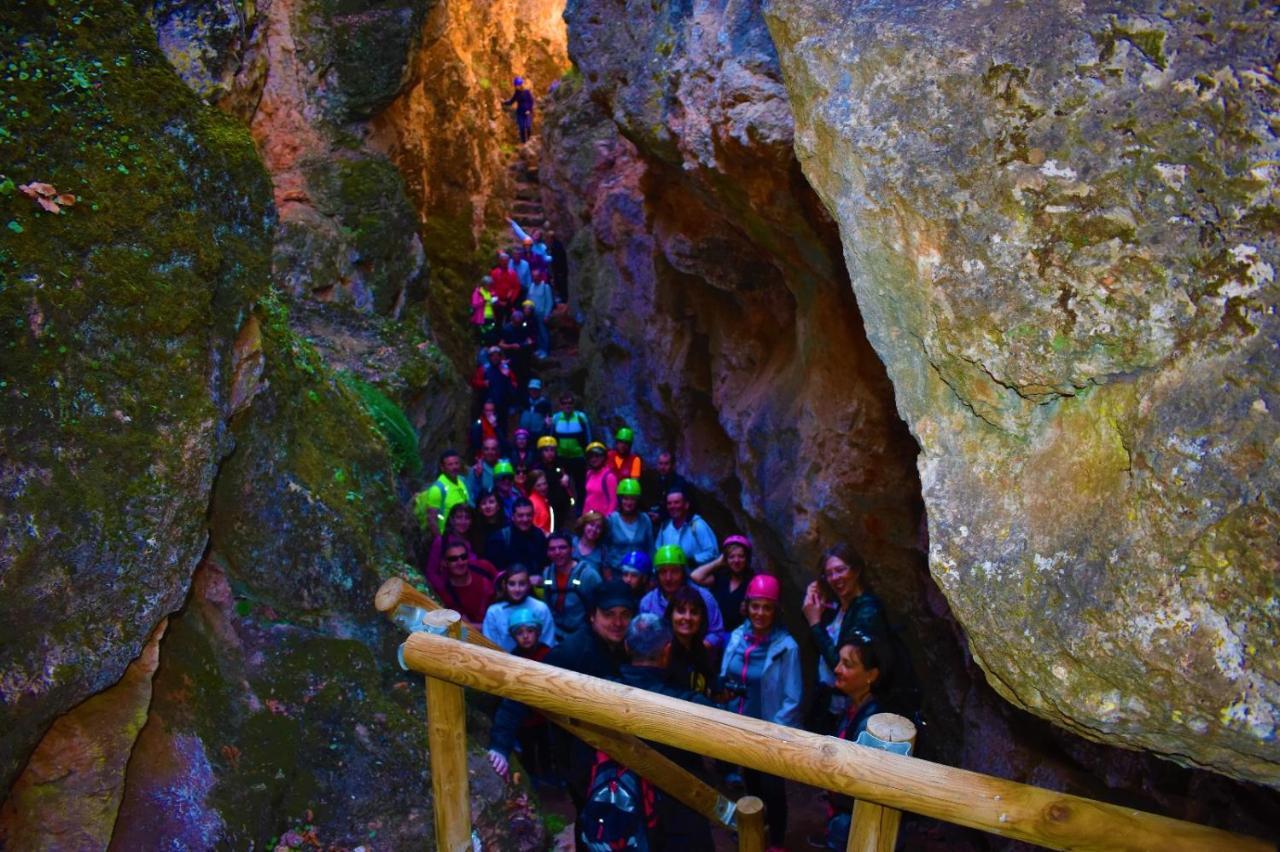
point(522, 453)
point(523, 100)
point(526, 629)
point(504, 478)
point(515, 603)
point(628, 529)
point(560, 491)
point(637, 572)
point(535, 411)
point(688, 530)
point(727, 577)
point(760, 676)
point(621, 460)
point(670, 565)
point(650, 644)
point(601, 483)
point(597, 650)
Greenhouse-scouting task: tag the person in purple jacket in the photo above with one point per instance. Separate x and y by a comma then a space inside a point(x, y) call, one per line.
point(673, 573)
point(523, 99)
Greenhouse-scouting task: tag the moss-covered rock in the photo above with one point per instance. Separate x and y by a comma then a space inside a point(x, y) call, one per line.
point(260, 726)
point(215, 46)
point(365, 46)
point(120, 313)
point(1060, 226)
point(359, 241)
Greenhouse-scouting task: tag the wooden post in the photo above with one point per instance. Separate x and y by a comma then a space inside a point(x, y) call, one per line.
point(671, 778)
point(447, 738)
point(875, 827)
point(750, 814)
point(1007, 808)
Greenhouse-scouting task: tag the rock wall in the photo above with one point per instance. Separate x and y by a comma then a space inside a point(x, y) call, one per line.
point(448, 134)
point(197, 509)
point(1060, 225)
point(307, 75)
point(719, 323)
point(122, 311)
point(719, 320)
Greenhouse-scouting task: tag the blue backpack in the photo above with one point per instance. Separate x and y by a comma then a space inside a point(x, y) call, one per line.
point(619, 812)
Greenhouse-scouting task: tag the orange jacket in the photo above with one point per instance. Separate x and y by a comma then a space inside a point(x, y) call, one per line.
point(626, 468)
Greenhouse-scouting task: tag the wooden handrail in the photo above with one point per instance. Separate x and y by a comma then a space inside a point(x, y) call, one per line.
point(672, 778)
point(1006, 808)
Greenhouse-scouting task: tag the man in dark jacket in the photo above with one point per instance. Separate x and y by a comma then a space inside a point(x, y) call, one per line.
point(519, 543)
point(523, 99)
point(559, 265)
point(598, 652)
point(649, 646)
point(665, 480)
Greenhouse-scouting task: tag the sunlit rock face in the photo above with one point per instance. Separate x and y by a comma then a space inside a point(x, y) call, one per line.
point(1060, 224)
point(307, 75)
point(448, 133)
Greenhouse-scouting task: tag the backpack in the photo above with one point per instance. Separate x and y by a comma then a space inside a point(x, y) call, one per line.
point(619, 811)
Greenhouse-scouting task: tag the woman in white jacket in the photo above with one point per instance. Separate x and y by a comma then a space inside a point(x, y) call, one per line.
point(760, 676)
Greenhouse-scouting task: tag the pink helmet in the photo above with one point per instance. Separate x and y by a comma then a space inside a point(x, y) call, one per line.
point(740, 540)
point(764, 586)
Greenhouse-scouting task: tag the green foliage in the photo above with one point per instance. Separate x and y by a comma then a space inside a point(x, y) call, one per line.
point(392, 423)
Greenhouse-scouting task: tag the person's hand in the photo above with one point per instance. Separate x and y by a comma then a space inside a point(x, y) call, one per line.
point(564, 481)
point(499, 762)
point(813, 604)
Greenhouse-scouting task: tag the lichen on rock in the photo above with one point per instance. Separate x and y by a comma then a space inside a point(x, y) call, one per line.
point(1056, 226)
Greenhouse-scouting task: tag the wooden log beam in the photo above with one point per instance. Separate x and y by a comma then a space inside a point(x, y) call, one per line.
point(1006, 808)
point(750, 824)
point(669, 776)
point(875, 827)
point(447, 738)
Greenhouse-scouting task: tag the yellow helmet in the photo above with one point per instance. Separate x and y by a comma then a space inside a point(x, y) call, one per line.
point(547, 441)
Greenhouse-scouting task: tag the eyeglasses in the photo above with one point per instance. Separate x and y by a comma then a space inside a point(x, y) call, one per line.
point(460, 558)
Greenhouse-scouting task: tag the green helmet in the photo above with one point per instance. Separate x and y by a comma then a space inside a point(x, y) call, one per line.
point(669, 554)
point(503, 468)
point(628, 488)
point(625, 434)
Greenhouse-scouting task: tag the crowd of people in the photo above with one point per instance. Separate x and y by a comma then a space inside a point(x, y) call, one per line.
point(559, 542)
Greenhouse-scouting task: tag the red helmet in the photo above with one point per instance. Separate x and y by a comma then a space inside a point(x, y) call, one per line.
point(765, 587)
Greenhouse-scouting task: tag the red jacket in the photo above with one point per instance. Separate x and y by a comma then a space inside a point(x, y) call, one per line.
point(506, 284)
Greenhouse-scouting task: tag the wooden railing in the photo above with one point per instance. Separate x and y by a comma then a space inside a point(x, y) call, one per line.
point(892, 782)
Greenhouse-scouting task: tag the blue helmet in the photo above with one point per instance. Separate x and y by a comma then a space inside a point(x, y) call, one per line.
point(523, 617)
point(637, 562)
point(519, 81)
